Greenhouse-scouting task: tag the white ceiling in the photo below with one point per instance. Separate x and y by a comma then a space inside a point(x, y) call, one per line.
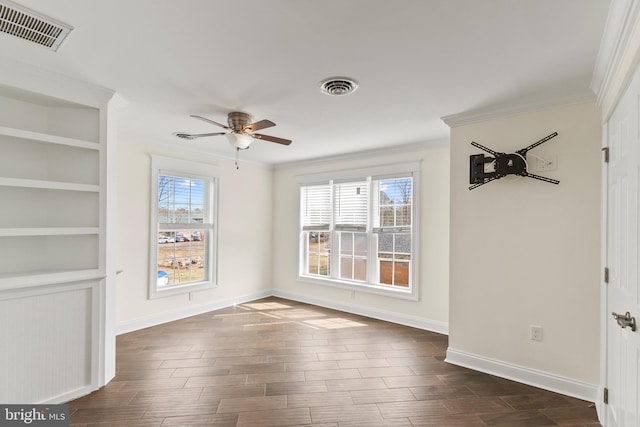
point(415, 61)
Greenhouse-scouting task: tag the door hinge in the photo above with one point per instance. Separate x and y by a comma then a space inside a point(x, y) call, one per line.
point(605, 396)
point(605, 150)
point(606, 275)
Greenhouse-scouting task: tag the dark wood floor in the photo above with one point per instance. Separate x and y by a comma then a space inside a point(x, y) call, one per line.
point(276, 362)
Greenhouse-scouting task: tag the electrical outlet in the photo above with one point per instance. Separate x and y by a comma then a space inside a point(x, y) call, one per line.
point(546, 164)
point(535, 333)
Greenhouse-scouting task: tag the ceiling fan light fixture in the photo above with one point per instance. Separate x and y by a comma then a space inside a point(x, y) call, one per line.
point(338, 86)
point(241, 141)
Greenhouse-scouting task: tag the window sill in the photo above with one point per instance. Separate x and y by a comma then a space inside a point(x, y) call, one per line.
point(407, 294)
point(170, 290)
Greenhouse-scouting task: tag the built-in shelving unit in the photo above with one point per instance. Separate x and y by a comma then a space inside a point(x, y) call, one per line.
point(56, 277)
point(50, 188)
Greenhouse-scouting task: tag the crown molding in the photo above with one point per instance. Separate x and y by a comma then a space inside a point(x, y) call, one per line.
point(404, 148)
point(483, 114)
point(618, 55)
point(45, 82)
point(181, 148)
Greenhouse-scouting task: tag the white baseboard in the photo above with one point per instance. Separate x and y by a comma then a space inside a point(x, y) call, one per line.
point(68, 396)
point(401, 319)
point(145, 322)
point(533, 377)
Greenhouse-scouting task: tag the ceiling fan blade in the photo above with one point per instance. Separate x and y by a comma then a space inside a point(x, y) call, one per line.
point(210, 121)
point(272, 139)
point(262, 124)
point(198, 135)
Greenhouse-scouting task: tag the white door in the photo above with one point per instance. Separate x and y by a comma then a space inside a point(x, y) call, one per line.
point(622, 240)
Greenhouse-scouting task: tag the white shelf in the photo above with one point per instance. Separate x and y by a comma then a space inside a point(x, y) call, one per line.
point(54, 223)
point(53, 139)
point(48, 231)
point(47, 185)
point(47, 277)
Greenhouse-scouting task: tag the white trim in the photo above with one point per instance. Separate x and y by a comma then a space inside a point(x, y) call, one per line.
point(37, 278)
point(70, 395)
point(190, 148)
point(364, 287)
point(158, 319)
point(109, 179)
point(364, 154)
point(48, 185)
point(339, 175)
point(490, 113)
point(48, 231)
point(604, 315)
point(401, 319)
point(610, 45)
point(401, 169)
point(46, 82)
point(189, 169)
point(618, 54)
point(522, 374)
point(51, 139)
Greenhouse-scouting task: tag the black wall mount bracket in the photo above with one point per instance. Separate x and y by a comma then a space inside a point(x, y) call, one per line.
point(503, 164)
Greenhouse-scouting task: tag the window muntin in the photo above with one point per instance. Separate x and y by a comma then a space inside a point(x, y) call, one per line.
point(318, 253)
point(394, 259)
point(368, 234)
point(182, 257)
point(353, 256)
point(393, 203)
point(183, 232)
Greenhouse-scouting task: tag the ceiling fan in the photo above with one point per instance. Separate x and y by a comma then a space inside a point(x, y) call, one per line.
point(240, 132)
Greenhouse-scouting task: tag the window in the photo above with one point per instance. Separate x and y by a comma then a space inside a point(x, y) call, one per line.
point(183, 232)
point(357, 229)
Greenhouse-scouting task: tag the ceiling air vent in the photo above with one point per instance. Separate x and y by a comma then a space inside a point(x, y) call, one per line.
point(338, 86)
point(30, 25)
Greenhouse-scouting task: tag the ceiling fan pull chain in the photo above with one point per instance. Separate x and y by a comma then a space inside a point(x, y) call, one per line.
point(237, 155)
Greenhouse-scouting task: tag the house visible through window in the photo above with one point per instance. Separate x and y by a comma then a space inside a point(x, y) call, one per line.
point(184, 226)
point(360, 232)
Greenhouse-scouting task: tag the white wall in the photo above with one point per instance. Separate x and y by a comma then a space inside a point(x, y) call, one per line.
point(528, 252)
point(431, 311)
point(244, 245)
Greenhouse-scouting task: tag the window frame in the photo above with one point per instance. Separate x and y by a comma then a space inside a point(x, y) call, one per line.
point(191, 170)
point(380, 172)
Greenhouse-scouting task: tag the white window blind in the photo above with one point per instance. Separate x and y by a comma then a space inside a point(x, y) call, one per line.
point(351, 205)
point(316, 207)
point(182, 200)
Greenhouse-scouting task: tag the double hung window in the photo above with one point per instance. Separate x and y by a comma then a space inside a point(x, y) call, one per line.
point(183, 222)
point(357, 230)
